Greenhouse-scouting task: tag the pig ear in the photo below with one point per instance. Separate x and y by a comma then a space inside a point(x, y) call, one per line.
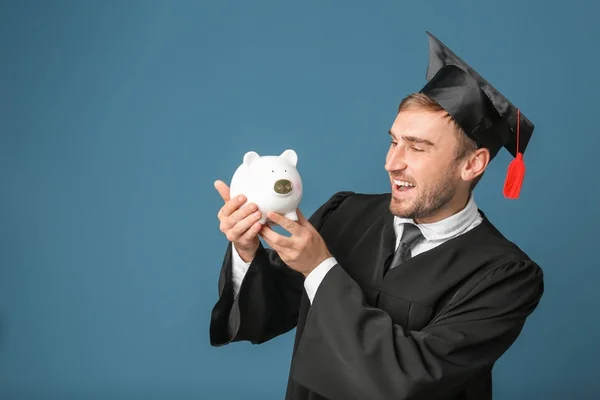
point(290, 156)
point(250, 157)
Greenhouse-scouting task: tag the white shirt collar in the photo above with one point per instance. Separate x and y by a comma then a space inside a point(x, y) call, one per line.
point(446, 228)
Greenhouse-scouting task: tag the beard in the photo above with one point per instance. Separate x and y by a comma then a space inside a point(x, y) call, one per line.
point(430, 198)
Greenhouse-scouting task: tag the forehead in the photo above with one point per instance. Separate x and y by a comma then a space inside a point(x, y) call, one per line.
point(433, 126)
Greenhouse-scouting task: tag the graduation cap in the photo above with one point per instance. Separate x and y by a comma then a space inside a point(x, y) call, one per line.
point(479, 109)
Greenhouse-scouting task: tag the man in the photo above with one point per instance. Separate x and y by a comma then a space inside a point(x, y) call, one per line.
point(411, 294)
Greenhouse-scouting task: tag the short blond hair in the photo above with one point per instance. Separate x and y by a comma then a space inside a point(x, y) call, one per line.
point(465, 146)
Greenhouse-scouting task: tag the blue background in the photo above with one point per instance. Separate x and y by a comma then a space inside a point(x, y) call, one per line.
point(116, 117)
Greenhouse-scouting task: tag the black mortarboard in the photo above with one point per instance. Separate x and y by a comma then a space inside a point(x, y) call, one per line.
point(479, 109)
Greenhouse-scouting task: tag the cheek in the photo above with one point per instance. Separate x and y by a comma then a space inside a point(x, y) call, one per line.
point(419, 167)
point(444, 173)
point(426, 170)
point(297, 185)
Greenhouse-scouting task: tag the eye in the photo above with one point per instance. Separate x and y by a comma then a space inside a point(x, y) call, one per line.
point(393, 143)
point(416, 149)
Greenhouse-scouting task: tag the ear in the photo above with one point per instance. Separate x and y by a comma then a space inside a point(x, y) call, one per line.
point(250, 157)
point(290, 156)
point(476, 164)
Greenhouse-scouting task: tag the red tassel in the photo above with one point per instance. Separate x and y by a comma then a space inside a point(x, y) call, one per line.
point(514, 177)
point(516, 169)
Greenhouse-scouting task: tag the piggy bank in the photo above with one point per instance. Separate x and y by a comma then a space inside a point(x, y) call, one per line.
point(271, 182)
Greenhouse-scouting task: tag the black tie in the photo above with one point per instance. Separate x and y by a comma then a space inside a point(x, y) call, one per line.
point(410, 236)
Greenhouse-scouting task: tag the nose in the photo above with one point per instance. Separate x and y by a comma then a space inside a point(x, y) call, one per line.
point(395, 159)
point(282, 186)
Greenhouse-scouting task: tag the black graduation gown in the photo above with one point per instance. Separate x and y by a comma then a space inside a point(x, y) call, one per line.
point(430, 329)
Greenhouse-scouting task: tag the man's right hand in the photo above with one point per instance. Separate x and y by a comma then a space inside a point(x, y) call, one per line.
point(240, 225)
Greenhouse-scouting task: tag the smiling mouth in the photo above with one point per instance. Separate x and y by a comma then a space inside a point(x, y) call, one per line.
point(403, 185)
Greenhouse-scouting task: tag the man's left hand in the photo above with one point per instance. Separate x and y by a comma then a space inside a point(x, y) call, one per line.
point(304, 250)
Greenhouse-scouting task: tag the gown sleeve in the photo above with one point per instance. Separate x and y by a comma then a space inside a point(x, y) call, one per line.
point(268, 301)
point(350, 350)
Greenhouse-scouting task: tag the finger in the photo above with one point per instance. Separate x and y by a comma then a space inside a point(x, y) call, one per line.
point(231, 206)
point(274, 239)
point(278, 249)
point(245, 216)
point(267, 241)
point(285, 223)
point(251, 232)
point(241, 213)
point(240, 228)
point(223, 190)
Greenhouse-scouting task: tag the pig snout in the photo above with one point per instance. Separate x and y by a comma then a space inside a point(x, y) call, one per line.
point(282, 186)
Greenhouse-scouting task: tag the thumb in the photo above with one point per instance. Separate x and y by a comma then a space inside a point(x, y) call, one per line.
point(223, 190)
point(302, 219)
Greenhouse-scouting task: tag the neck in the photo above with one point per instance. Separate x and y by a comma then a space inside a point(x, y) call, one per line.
point(455, 205)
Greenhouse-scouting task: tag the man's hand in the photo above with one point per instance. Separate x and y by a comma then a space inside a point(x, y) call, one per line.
point(304, 250)
point(240, 225)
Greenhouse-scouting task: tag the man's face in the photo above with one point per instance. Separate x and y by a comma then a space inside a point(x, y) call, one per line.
point(424, 174)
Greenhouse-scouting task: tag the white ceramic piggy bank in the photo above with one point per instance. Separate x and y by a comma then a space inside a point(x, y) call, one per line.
point(271, 182)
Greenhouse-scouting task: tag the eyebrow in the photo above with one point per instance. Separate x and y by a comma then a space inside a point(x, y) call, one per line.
point(414, 139)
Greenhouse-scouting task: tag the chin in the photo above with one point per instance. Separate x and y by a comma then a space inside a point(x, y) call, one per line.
point(402, 208)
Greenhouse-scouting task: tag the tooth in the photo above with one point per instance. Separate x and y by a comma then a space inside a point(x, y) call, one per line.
point(404, 183)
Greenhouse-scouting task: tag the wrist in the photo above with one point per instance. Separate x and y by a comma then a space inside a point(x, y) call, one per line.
point(319, 263)
point(246, 255)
